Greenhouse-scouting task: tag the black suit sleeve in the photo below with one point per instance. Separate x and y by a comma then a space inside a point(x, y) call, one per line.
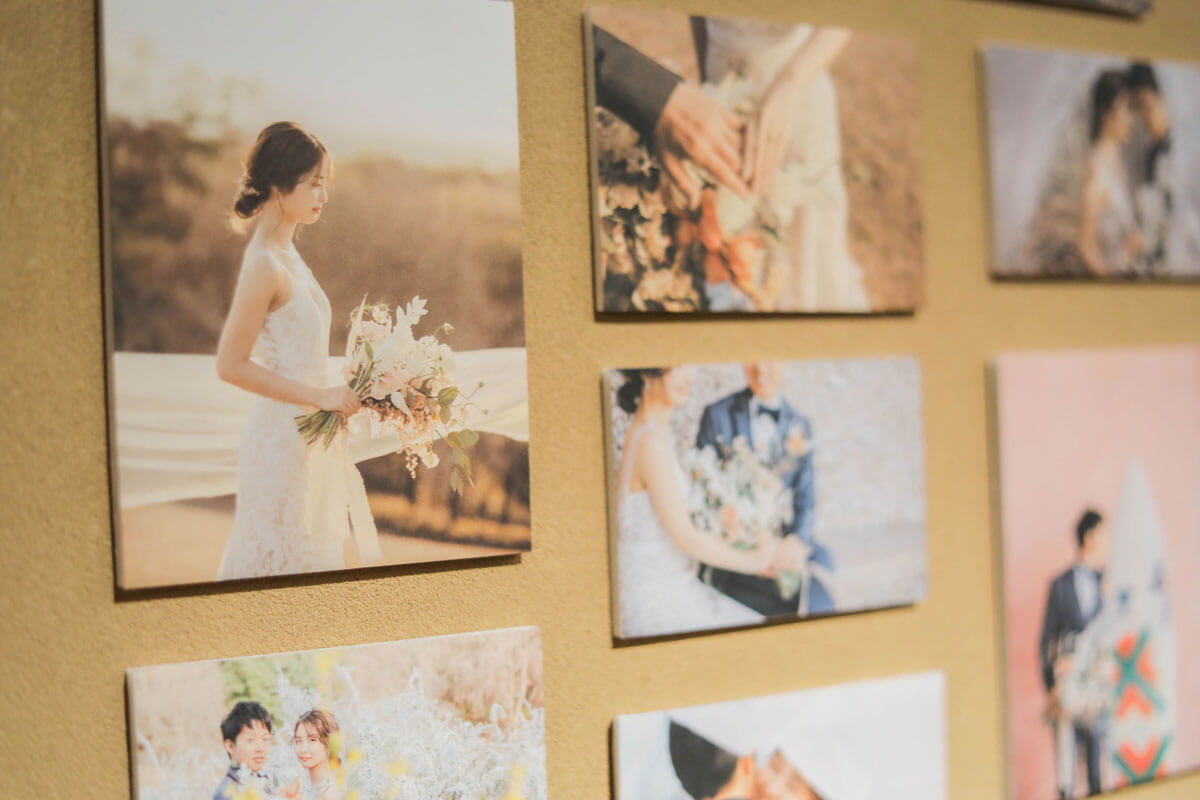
point(629, 84)
point(1052, 628)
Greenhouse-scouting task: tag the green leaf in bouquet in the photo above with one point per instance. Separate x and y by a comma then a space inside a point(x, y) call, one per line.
point(370, 350)
point(467, 437)
point(456, 481)
point(448, 395)
point(453, 441)
point(458, 456)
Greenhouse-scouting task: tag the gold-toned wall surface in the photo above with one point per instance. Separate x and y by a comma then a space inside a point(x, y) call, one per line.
point(67, 636)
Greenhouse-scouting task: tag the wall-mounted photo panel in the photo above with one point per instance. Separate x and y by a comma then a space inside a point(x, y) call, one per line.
point(1131, 8)
point(270, 200)
point(1095, 165)
point(744, 492)
point(749, 166)
point(1100, 512)
point(870, 740)
point(447, 716)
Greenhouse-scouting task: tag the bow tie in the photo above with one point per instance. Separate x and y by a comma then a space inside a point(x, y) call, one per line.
point(773, 413)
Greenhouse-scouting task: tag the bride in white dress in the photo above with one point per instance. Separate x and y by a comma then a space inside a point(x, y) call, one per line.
point(315, 743)
point(658, 548)
point(295, 503)
point(796, 123)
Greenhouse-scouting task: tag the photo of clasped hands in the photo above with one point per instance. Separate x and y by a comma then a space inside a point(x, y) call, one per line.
point(743, 157)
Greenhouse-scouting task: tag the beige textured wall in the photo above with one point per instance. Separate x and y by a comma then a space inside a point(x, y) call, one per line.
point(66, 636)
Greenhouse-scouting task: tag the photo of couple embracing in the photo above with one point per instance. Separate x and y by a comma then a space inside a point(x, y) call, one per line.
point(858, 741)
point(1094, 165)
point(743, 492)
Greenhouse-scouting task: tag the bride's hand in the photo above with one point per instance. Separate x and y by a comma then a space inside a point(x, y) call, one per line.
point(768, 134)
point(337, 398)
point(766, 546)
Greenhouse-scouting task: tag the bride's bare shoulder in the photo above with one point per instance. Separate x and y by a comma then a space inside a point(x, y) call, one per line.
point(260, 263)
point(648, 439)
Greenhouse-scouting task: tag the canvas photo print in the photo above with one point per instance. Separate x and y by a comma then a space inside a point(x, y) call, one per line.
point(745, 492)
point(870, 740)
point(1099, 513)
point(1095, 170)
point(447, 716)
point(314, 288)
point(1132, 8)
point(742, 165)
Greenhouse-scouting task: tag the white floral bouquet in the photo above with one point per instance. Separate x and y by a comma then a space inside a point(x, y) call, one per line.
point(406, 384)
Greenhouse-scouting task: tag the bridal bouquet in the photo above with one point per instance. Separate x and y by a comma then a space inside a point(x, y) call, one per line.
point(737, 491)
point(737, 239)
point(1087, 673)
point(406, 385)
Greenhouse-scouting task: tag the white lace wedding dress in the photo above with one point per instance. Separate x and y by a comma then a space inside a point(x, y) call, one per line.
point(823, 276)
point(295, 503)
point(658, 589)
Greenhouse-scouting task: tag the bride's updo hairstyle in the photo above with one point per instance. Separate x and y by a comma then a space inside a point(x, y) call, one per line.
point(629, 396)
point(324, 724)
point(283, 154)
point(1106, 91)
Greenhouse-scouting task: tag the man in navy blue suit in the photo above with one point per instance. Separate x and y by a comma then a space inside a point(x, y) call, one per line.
point(778, 434)
point(1074, 601)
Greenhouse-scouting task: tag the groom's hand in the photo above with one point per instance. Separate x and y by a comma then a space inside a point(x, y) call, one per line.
point(791, 556)
point(697, 127)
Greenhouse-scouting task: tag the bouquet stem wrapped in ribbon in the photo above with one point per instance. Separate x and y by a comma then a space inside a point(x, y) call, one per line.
point(406, 384)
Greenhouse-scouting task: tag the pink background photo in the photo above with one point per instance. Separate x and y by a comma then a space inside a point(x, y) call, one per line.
point(1069, 424)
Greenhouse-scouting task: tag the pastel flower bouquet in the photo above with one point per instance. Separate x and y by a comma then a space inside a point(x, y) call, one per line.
point(737, 497)
point(406, 385)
